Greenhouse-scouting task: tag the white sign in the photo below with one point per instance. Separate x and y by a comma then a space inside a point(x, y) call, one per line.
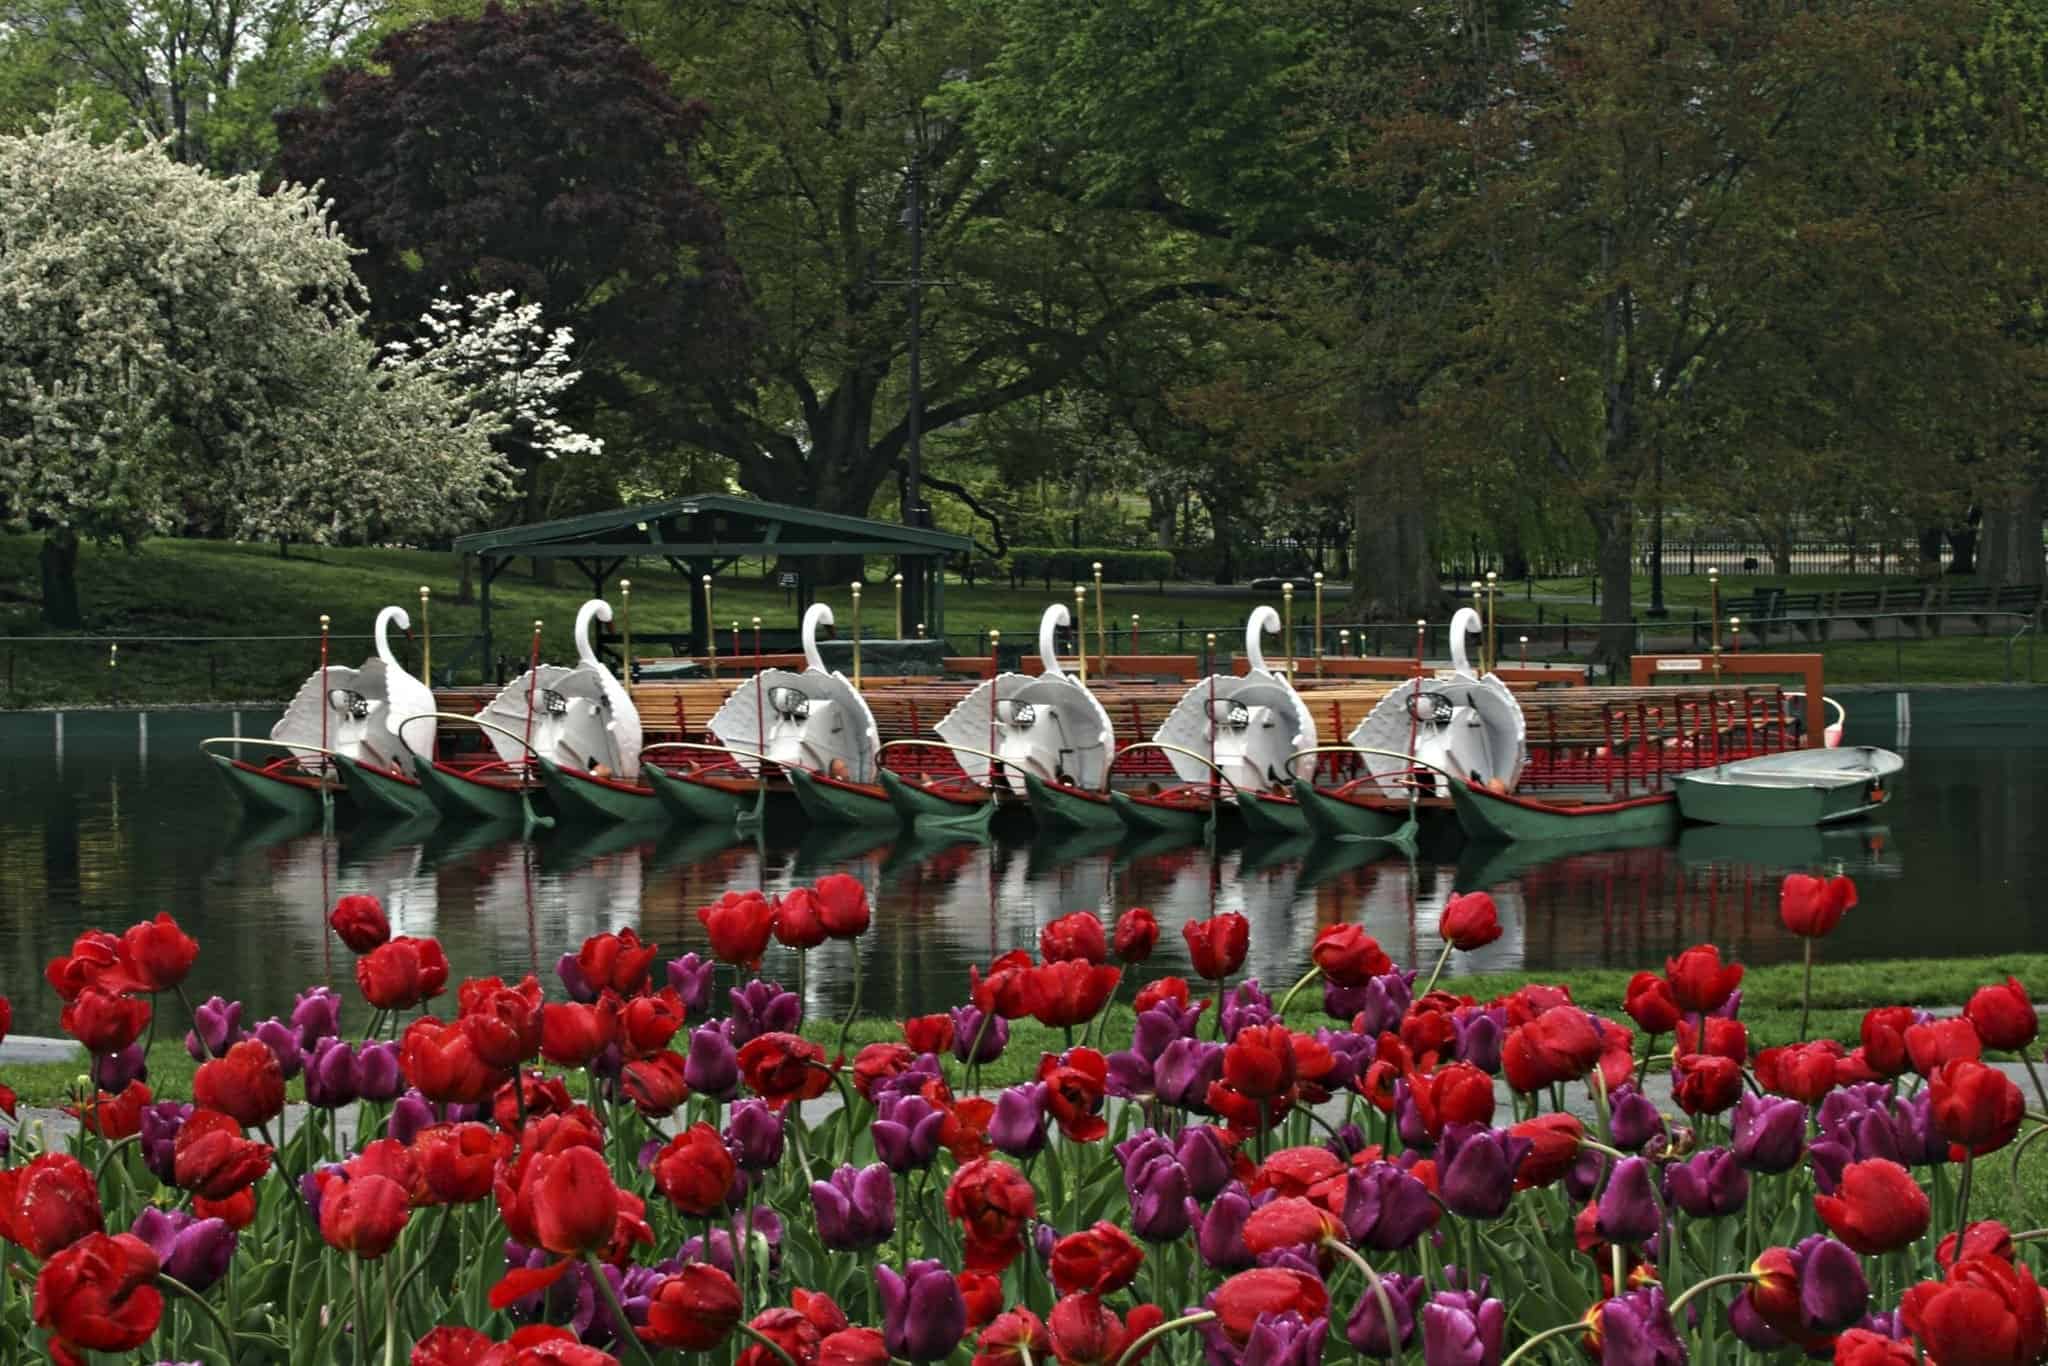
point(1678, 666)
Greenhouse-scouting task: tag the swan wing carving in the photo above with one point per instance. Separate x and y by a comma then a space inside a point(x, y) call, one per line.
point(969, 722)
point(300, 724)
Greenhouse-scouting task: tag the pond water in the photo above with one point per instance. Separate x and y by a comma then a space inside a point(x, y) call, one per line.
point(124, 818)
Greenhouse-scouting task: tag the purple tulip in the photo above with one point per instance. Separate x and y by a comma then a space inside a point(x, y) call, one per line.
point(1204, 1154)
point(316, 1015)
point(112, 1072)
point(907, 1132)
point(909, 1082)
point(1632, 1120)
point(311, 1187)
point(691, 977)
point(1480, 1030)
point(1352, 1054)
point(1184, 1071)
point(283, 1042)
point(1366, 1329)
point(1277, 1340)
point(1476, 1170)
point(1585, 1174)
point(377, 1074)
point(573, 981)
point(1385, 1208)
point(1244, 1006)
point(1749, 1326)
point(1129, 1078)
point(1628, 1207)
point(1159, 1195)
point(1833, 1291)
point(1636, 1330)
point(722, 1250)
point(192, 1251)
point(6, 1144)
point(753, 1135)
point(1387, 998)
point(160, 1124)
point(593, 1322)
point(410, 1114)
point(1729, 1008)
point(1460, 1328)
point(1707, 1185)
point(1921, 1144)
point(331, 1074)
point(1345, 1003)
point(924, 1315)
point(1018, 1125)
point(1140, 1148)
point(1348, 1142)
point(216, 1024)
point(856, 1209)
point(1770, 1133)
point(711, 1065)
point(762, 1008)
point(1219, 1233)
point(967, 1028)
point(1159, 1026)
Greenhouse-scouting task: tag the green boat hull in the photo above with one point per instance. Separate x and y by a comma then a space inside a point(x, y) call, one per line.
point(1267, 814)
point(1490, 816)
point(1330, 817)
point(596, 800)
point(1067, 808)
point(1775, 807)
point(698, 803)
point(461, 798)
point(1150, 816)
point(829, 802)
point(262, 794)
point(924, 808)
point(382, 793)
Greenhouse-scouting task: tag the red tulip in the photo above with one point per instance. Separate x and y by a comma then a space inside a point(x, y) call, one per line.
point(571, 1033)
point(1706, 1084)
point(738, 925)
point(1985, 1238)
point(781, 1068)
point(503, 1023)
point(1877, 1207)
point(237, 1211)
point(1976, 1107)
point(1137, 934)
point(1862, 1347)
point(1240, 1301)
point(1072, 992)
point(1174, 989)
point(992, 1201)
point(1811, 907)
point(842, 905)
point(1723, 1038)
point(797, 925)
point(211, 1159)
point(364, 1215)
point(1099, 1260)
point(1016, 1338)
point(1297, 1172)
point(1930, 1045)
point(1076, 936)
point(656, 1085)
point(245, 1083)
point(575, 1205)
point(1554, 1141)
point(1469, 922)
point(1651, 1004)
point(112, 1117)
point(647, 1023)
point(1455, 1094)
point(98, 1295)
point(1347, 955)
point(103, 1022)
point(695, 1171)
point(402, 973)
point(94, 961)
point(854, 1347)
point(6, 1017)
point(1987, 1313)
point(457, 1161)
point(158, 952)
point(879, 1062)
point(49, 1204)
point(1699, 980)
point(928, 1033)
point(1558, 1045)
point(441, 1061)
point(358, 921)
point(983, 1294)
point(1290, 1221)
point(1260, 1063)
point(1216, 946)
point(693, 1310)
point(1084, 1333)
point(1010, 989)
point(1884, 1038)
point(1074, 1087)
point(616, 961)
point(2003, 1015)
point(1803, 1071)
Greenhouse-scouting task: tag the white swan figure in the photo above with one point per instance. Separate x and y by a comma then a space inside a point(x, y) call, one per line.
point(405, 697)
point(365, 706)
point(1050, 725)
point(1250, 726)
point(1465, 724)
point(581, 717)
point(815, 720)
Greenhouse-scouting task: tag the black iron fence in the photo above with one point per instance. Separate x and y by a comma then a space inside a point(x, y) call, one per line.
point(126, 671)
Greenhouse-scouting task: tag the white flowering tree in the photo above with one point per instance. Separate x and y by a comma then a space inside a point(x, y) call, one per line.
point(182, 353)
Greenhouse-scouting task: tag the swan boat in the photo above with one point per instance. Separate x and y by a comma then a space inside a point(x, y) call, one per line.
point(580, 729)
point(817, 728)
point(340, 732)
point(1055, 739)
point(1230, 740)
point(1800, 787)
point(1427, 734)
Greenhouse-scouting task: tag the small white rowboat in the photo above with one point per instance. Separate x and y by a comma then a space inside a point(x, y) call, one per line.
point(1799, 787)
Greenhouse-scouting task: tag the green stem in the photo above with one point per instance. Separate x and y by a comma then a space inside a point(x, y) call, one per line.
point(1280, 1011)
point(355, 1280)
point(193, 1015)
point(227, 1334)
point(1576, 1325)
point(100, 1172)
point(766, 1341)
point(1805, 989)
point(1963, 1200)
point(390, 1323)
point(2039, 1090)
point(1145, 1340)
point(853, 1009)
point(1379, 1293)
point(1709, 1283)
point(611, 1299)
point(1442, 957)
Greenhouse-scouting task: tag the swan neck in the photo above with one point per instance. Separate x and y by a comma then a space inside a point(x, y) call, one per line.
point(1048, 641)
point(585, 652)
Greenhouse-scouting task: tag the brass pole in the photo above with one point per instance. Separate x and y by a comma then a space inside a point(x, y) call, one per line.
point(626, 632)
point(1343, 643)
point(1319, 623)
point(1209, 654)
point(426, 639)
point(1735, 634)
point(710, 628)
point(899, 606)
point(1714, 610)
point(856, 635)
point(1287, 624)
point(1421, 629)
point(1101, 631)
point(1081, 628)
point(1134, 634)
point(735, 639)
point(1525, 652)
point(757, 645)
point(1492, 656)
point(920, 630)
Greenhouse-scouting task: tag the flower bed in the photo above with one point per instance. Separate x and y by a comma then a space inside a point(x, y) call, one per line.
point(630, 1170)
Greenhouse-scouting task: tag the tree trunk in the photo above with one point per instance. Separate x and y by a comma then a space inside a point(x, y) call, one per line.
point(60, 579)
point(1614, 554)
point(1781, 550)
point(465, 592)
point(2010, 552)
point(1393, 570)
point(1963, 539)
point(1162, 518)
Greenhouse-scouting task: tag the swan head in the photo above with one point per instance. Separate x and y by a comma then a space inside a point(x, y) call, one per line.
point(603, 610)
point(399, 615)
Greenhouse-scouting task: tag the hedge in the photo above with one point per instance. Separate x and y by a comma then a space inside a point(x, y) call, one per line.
point(1077, 564)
